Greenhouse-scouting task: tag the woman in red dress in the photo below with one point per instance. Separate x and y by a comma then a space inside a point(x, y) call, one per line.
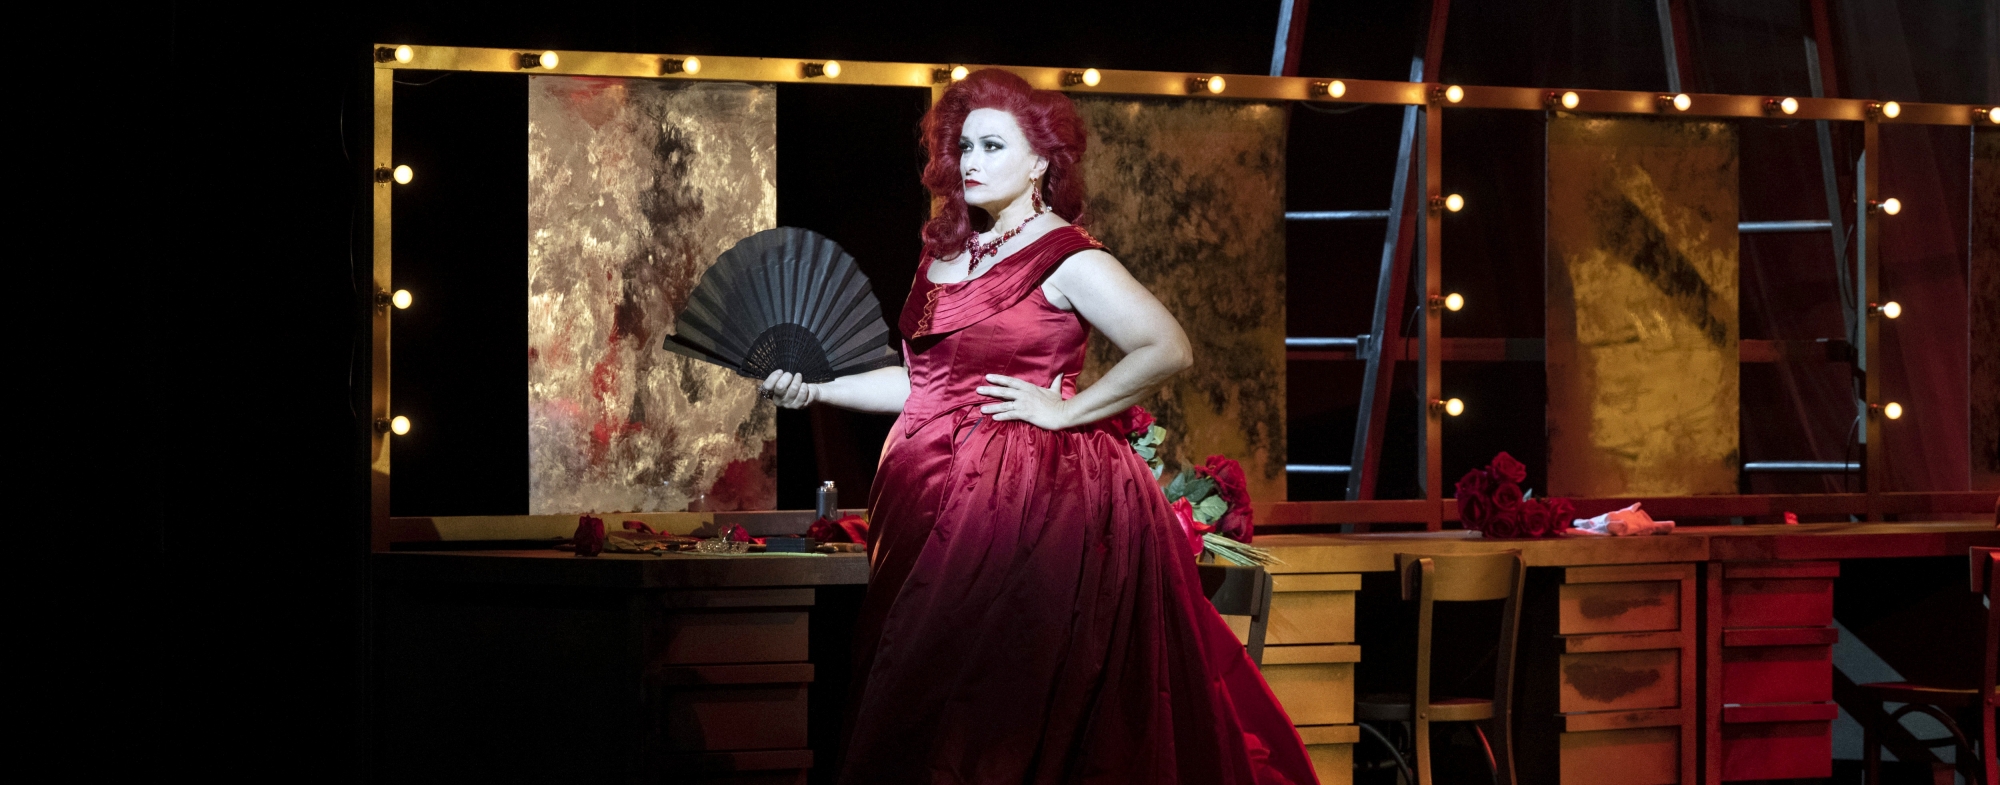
point(1033, 615)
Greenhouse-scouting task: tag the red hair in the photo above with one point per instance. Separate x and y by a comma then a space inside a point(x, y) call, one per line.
point(1047, 119)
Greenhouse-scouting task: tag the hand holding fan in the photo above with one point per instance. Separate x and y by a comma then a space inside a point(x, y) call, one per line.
point(785, 299)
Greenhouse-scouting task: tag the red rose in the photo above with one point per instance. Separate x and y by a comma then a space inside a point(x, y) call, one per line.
point(1506, 522)
point(1184, 515)
point(1535, 519)
point(1561, 515)
point(1508, 469)
point(589, 537)
point(1134, 421)
point(851, 528)
point(1505, 494)
point(1474, 493)
point(1229, 480)
point(1235, 524)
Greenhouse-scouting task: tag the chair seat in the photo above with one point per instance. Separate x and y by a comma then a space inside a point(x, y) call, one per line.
point(1906, 692)
point(1395, 707)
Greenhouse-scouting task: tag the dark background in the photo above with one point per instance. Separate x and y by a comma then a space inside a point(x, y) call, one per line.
point(261, 563)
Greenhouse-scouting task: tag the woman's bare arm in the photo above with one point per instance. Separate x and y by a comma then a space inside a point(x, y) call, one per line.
point(882, 390)
point(1099, 289)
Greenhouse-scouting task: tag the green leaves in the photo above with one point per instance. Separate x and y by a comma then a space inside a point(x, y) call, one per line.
point(1211, 509)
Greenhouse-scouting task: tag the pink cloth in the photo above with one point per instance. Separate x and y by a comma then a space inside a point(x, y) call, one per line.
point(1032, 613)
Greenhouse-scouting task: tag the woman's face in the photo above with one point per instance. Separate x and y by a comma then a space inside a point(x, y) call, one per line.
point(994, 160)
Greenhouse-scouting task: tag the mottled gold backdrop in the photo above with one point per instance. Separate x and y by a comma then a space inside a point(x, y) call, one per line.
point(1190, 195)
point(1642, 315)
point(634, 187)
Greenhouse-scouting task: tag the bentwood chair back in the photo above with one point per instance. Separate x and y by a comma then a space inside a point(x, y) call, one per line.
point(1240, 590)
point(1978, 702)
point(1473, 577)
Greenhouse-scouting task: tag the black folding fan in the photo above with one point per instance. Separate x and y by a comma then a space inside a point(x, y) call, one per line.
point(785, 299)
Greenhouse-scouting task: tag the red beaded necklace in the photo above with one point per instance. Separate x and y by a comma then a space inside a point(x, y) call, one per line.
point(978, 250)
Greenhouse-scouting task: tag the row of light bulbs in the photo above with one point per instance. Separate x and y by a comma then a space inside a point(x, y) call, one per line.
point(1213, 84)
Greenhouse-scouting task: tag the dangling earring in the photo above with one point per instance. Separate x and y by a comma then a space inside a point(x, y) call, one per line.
point(1035, 194)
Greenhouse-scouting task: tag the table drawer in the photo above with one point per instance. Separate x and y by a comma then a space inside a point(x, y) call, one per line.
point(1778, 594)
point(1777, 674)
point(1777, 742)
point(1632, 756)
point(1619, 607)
point(1619, 680)
point(1313, 693)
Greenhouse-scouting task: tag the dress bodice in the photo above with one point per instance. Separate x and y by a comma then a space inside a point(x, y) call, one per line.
point(998, 322)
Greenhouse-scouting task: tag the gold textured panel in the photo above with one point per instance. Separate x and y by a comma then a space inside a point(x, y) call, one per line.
point(1642, 307)
point(1190, 195)
point(1318, 694)
point(634, 187)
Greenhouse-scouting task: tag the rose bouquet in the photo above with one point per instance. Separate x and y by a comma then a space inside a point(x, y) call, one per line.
point(1490, 501)
point(1211, 502)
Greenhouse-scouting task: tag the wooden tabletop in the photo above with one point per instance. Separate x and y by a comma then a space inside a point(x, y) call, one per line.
point(623, 571)
point(1377, 552)
point(1303, 553)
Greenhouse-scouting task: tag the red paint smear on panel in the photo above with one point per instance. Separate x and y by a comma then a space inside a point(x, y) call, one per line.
point(747, 485)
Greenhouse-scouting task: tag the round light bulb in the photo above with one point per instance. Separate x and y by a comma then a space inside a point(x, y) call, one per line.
point(1892, 309)
point(832, 69)
point(1571, 99)
point(1891, 109)
point(1682, 102)
point(1893, 410)
point(1091, 77)
point(404, 174)
point(549, 60)
point(1789, 106)
point(1892, 206)
point(1337, 88)
point(1454, 407)
point(401, 425)
point(1216, 84)
point(1454, 301)
point(1454, 94)
point(401, 299)
point(1993, 115)
point(691, 65)
point(959, 73)
point(1454, 203)
point(405, 54)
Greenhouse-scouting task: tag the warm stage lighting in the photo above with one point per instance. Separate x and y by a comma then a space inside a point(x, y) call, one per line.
point(829, 69)
point(1891, 109)
point(1454, 94)
point(1892, 410)
point(1454, 301)
point(1212, 84)
point(400, 54)
point(1454, 203)
point(399, 425)
point(401, 299)
point(544, 60)
point(1993, 115)
point(1571, 99)
point(959, 73)
point(404, 174)
point(689, 66)
point(1785, 105)
point(1088, 77)
point(1889, 206)
point(1454, 407)
point(405, 54)
point(1682, 102)
point(1888, 310)
point(1091, 77)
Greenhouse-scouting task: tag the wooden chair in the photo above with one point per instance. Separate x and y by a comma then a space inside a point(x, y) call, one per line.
point(1980, 701)
point(1238, 590)
point(1431, 579)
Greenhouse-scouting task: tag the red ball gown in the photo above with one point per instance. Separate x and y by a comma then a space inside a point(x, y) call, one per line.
point(1033, 614)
